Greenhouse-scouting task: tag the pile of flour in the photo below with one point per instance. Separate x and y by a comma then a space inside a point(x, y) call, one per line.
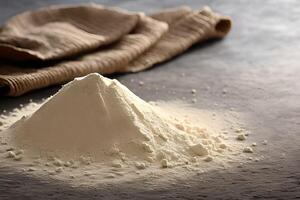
point(96, 119)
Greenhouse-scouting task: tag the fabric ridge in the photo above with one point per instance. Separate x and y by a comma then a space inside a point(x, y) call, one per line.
point(53, 45)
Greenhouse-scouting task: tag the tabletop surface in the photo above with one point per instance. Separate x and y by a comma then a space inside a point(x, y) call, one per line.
point(259, 66)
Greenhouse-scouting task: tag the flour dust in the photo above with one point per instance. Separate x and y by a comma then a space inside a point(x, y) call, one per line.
point(96, 129)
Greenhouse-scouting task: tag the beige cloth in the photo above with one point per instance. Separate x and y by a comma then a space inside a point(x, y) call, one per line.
point(53, 45)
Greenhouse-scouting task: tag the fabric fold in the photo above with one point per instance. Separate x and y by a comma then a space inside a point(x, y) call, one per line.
point(184, 31)
point(62, 31)
point(54, 45)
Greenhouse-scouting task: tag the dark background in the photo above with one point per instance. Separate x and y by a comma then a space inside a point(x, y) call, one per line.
point(258, 64)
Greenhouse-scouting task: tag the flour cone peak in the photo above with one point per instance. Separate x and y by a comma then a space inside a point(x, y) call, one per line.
point(89, 113)
point(101, 118)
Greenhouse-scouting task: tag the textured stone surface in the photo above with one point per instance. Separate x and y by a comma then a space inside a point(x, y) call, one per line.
point(258, 65)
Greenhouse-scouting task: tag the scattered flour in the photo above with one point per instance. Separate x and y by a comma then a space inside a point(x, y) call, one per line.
point(248, 150)
point(100, 118)
point(241, 137)
point(95, 120)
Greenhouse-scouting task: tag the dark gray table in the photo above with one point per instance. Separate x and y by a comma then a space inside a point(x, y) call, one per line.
point(258, 64)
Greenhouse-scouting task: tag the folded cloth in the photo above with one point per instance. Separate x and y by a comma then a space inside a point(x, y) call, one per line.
point(54, 45)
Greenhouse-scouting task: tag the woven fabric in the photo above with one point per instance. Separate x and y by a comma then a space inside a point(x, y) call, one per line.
point(54, 45)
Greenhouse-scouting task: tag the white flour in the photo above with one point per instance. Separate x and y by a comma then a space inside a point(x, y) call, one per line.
point(96, 120)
